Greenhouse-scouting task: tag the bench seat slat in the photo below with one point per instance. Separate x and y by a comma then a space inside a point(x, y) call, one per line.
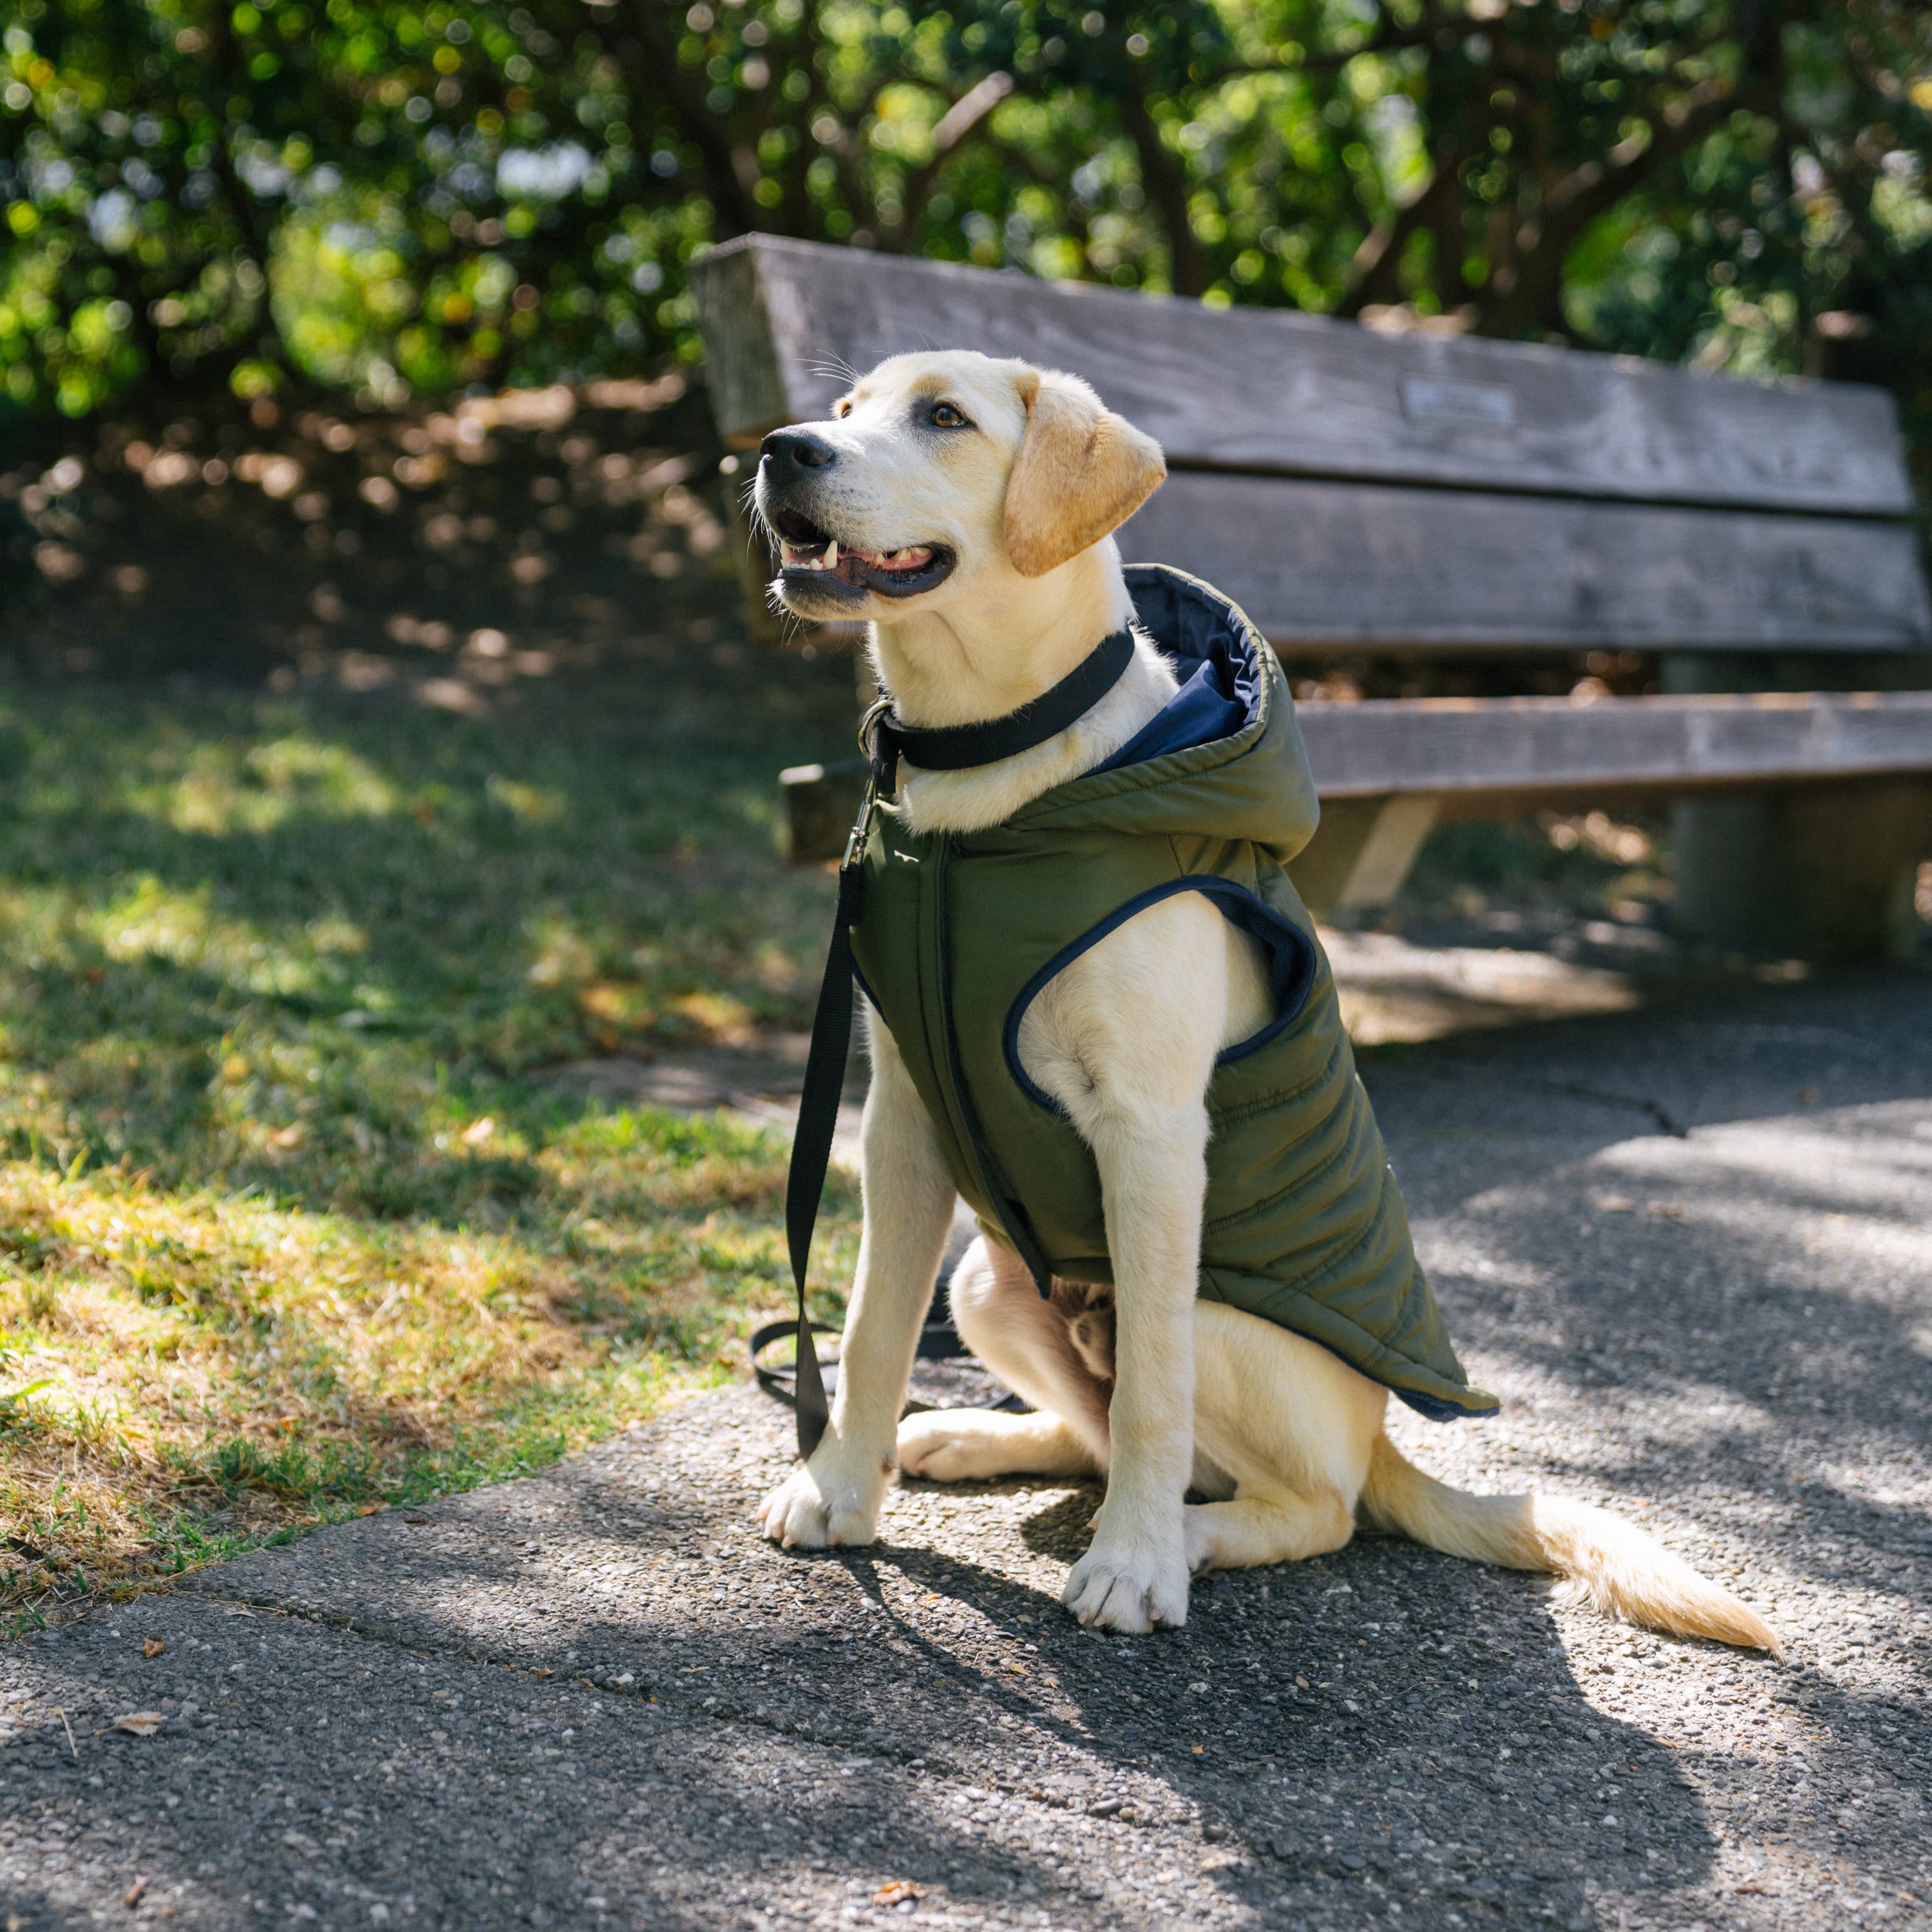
point(1333, 565)
point(1538, 745)
point(1275, 391)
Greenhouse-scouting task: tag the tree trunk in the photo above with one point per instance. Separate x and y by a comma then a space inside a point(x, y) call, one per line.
point(1167, 187)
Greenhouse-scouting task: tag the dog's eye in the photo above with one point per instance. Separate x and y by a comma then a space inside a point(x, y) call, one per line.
point(842, 408)
point(945, 416)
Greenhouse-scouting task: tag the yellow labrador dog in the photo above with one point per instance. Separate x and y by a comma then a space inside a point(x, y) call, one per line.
point(965, 506)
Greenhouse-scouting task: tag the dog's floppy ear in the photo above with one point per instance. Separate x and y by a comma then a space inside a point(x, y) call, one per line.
point(1082, 471)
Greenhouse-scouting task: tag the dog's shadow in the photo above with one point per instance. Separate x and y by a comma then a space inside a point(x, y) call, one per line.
point(1285, 1713)
point(1064, 1528)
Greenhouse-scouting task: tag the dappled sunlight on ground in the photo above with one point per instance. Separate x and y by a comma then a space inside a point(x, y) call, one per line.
point(1392, 991)
point(292, 1218)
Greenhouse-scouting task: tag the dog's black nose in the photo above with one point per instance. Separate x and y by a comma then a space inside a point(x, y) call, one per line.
point(787, 453)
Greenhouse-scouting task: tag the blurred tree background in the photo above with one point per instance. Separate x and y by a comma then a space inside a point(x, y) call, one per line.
point(398, 199)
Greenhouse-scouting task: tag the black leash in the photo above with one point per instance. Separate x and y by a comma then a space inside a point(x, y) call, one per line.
point(818, 1117)
point(938, 1341)
point(884, 739)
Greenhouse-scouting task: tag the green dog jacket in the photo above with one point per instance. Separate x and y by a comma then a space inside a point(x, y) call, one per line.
point(957, 934)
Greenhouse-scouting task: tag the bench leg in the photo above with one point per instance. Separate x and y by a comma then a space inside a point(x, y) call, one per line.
point(1362, 851)
point(1823, 872)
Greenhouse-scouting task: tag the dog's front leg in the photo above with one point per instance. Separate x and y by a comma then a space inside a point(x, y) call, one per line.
point(1153, 1175)
point(908, 1207)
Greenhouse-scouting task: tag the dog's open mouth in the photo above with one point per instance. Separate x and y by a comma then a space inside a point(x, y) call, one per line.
point(811, 556)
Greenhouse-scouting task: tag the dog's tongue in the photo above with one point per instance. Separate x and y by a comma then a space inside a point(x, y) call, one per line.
point(910, 558)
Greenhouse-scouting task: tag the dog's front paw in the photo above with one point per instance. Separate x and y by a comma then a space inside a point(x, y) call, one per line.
point(1130, 1584)
point(822, 1504)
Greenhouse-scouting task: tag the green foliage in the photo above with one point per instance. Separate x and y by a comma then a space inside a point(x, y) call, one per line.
point(411, 196)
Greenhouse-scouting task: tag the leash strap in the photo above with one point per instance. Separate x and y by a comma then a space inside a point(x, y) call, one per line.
point(958, 747)
point(824, 1087)
point(938, 1341)
point(818, 1120)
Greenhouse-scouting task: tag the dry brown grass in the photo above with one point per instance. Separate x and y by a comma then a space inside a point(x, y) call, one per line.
point(183, 1373)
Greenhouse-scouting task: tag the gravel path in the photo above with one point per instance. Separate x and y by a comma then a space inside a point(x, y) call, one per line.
point(1691, 1247)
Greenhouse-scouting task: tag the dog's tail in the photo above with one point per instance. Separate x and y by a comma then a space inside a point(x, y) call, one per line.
point(1609, 1564)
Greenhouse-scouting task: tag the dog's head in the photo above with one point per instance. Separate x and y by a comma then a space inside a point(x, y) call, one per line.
point(938, 475)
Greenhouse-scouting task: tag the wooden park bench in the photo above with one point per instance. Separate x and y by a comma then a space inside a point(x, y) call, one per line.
point(1420, 495)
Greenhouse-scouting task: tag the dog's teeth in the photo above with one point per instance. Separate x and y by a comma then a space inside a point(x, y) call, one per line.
point(831, 562)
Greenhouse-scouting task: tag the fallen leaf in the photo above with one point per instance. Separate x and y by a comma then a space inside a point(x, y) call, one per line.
point(898, 1892)
point(1018, 1669)
point(132, 1897)
point(141, 1723)
point(478, 1131)
point(1612, 1203)
point(371, 1509)
point(152, 1646)
point(1199, 1750)
point(543, 1673)
point(416, 1519)
point(1303, 1682)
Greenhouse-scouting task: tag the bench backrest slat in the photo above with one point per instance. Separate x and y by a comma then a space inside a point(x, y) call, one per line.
point(1323, 567)
point(1283, 393)
point(1397, 492)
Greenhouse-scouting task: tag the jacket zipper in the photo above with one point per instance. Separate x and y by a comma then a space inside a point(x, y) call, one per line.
point(1012, 1221)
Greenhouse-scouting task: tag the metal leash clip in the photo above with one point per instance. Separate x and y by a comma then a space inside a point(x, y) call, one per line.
point(882, 781)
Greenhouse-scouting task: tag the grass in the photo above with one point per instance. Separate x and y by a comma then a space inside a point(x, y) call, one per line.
point(292, 1223)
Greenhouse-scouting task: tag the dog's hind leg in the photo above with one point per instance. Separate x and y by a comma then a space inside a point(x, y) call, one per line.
point(961, 1445)
point(1031, 1345)
point(1292, 1426)
point(1266, 1525)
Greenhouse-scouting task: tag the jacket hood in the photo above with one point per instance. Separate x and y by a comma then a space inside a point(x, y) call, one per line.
point(1250, 782)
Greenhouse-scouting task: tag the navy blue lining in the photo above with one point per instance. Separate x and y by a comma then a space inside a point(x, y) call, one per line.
point(1432, 1407)
point(1222, 678)
point(1291, 966)
point(1195, 624)
point(1200, 712)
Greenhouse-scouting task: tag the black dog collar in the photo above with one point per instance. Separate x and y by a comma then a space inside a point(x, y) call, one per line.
point(958, 747)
